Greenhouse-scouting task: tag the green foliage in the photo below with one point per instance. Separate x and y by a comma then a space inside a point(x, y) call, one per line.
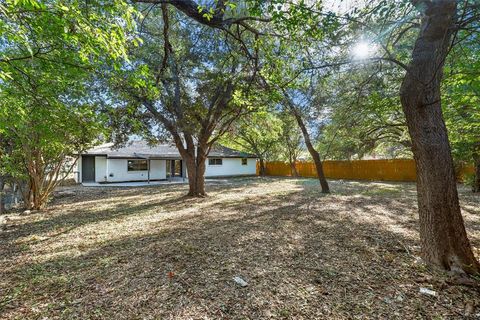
point(62, 32)
point(469, 180)
point(257, 133)
point(290, 143)
point(461, 98)
point(41, 137)
point(183, 85)
point(49, 54)
point(364, 115)
point(52, 133)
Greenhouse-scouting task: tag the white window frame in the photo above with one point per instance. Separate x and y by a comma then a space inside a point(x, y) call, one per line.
point(134, 171)
point(215, 164)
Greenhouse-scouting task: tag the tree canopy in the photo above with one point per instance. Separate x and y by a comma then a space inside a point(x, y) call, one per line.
point(389, 79)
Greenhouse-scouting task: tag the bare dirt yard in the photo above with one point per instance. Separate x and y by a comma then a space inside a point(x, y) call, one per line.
point(151, 253)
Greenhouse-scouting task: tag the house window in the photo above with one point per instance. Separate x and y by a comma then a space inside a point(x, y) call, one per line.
point(137, 165)
point(244, 161)
point(215, 162)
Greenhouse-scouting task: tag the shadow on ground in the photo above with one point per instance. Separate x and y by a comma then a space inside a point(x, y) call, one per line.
point(153, 254)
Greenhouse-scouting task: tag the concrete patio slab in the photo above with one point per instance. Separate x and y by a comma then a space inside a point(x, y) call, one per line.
point(146, 184)
point(133, 184)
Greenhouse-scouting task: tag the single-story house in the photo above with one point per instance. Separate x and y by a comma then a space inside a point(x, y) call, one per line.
point(138, 161)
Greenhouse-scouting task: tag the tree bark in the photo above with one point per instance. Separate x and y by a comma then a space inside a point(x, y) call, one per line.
point(2, 185)
point(442, 232)
point(293, 168)
point(36, 198)
point(192, 173)
point(263, 169)
point(26, 193)
point(201, 158)
point(314, 153)
point(195, 172)
point(476, 182)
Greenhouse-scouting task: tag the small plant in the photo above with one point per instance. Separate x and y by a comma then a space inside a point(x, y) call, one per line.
point(469, 180)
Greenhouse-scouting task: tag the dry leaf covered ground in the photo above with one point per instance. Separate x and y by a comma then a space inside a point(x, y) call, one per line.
point(150, 253)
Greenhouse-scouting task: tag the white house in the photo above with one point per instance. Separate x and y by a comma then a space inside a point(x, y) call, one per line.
point(140, 162)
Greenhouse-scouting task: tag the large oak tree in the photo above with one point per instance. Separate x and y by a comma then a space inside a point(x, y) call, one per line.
point(185, 83)
point(442, 231)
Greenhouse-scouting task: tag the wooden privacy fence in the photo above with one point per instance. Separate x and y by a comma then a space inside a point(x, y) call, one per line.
point(386, 170)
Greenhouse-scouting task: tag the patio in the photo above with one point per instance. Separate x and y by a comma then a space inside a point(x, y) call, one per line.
point(176, 180)
point(172, 181)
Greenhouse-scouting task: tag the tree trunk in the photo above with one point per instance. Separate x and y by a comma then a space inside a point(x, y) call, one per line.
point(37, 194)
point(2, 185)
point(201, 158)
point(196, 174)
point(314, 153)
point(476, 181)
point(263, 169)
point(293, 167)
point(442, 232)
point(196, 178)
point(17, 192)
point(26, 193)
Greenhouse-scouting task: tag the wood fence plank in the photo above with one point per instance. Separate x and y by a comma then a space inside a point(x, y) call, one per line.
point(382, 170)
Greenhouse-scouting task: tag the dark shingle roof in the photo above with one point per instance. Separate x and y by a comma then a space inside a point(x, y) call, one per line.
point(141, 149)
point(224, 152)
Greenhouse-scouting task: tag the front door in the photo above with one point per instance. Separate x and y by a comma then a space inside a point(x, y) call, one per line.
point(88, 168)
point(178, 168)
point(174, 168)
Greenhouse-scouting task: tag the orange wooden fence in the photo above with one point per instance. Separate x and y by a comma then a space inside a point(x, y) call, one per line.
point(386, 170)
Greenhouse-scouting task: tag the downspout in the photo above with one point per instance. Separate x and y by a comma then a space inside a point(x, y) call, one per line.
point(148, 166)
point(107, 174)
point(79, 171)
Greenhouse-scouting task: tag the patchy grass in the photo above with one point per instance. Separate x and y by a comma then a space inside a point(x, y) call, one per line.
point(151, 253)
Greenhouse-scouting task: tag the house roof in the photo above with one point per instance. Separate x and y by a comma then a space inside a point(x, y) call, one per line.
point(141, 149)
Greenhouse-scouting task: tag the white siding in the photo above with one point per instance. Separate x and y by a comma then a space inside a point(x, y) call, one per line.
point(158, 169)
point(232, 167)
point(119, 169)
point(100, 169)
point(78, 170)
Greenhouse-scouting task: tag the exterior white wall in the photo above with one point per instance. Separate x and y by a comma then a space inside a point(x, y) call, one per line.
point(158, 169)
point(104, 166)
point(232, 167)
point(77, 170)
point(119, 169)
point(100, 169)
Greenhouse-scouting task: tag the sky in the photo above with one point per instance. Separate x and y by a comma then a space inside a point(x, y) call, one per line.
point(342, 6)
